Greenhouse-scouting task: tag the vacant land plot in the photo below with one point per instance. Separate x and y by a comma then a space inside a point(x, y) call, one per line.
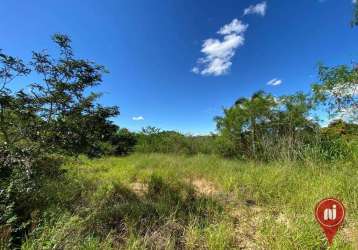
point(201, 202)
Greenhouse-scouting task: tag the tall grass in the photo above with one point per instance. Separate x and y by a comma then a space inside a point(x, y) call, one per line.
point(98, 206)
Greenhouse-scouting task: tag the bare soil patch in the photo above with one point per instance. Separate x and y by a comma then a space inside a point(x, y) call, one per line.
point(140, 189)
point(350, 233)
point(205, 187)
point(246, 215)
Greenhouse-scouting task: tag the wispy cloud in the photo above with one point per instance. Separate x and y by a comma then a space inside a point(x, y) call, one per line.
point(236, 26)
point(259, 9)
point(219, 52)
point(137, 118)
point(274, 82)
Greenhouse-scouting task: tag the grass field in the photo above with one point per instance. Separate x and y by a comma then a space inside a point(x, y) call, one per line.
point(201, 202)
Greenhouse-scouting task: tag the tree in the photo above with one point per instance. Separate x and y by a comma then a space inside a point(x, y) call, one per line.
point(63, 104)
point(252, 126)
point(123, 141)
point(259, 109)
point(293, 112)
point(338, 91)
point(10, 68)
point(56, 114)
point(246, 116)
point(57, 109)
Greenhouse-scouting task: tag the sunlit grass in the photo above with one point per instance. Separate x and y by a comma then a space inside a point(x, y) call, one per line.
point(101, 210)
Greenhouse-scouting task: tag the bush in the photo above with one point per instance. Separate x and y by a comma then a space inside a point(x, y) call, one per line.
point(123, 142)
point(21, 177)
point(153, 140)
point(101, 149)
point(225, 147)
point(334, 149)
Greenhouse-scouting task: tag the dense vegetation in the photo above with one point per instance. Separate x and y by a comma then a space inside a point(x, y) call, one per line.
point(53, 195)
point(162, 201)
point(47, 118)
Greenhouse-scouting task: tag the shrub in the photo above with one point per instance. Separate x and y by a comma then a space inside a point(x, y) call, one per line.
point(123, 142)
point(21, 176)
point(100, 149)
point(226, 147)
point(334, 149)
point(153, 140)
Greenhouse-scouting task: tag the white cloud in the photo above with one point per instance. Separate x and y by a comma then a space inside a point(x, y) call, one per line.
point(354, 1)
point(137, 118)
point(219, 52)
point(235, 26)
point(259, 9)
point(274, 82)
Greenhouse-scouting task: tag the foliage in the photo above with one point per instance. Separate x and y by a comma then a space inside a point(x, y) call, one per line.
point(338, 140)
point(10, 115)
point(124, 141)
point(152, 140)
point(16, 186)
point(257, 127)
point(54, 115)
point(338, 91)
point(21, 177)
point(62, 104)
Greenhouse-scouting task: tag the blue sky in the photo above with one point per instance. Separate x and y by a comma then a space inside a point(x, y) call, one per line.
point(151, 49)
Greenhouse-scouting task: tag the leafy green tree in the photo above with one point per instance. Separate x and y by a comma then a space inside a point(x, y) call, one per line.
point(10, 68)
point(57, 114)
point(252, 126)
point(123, 141)
point(259, 109)
point(67, 112)
point(247, 116)
point(338, 91)
point(293, 112)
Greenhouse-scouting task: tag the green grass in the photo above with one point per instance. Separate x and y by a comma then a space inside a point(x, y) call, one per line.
point(152, 202)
